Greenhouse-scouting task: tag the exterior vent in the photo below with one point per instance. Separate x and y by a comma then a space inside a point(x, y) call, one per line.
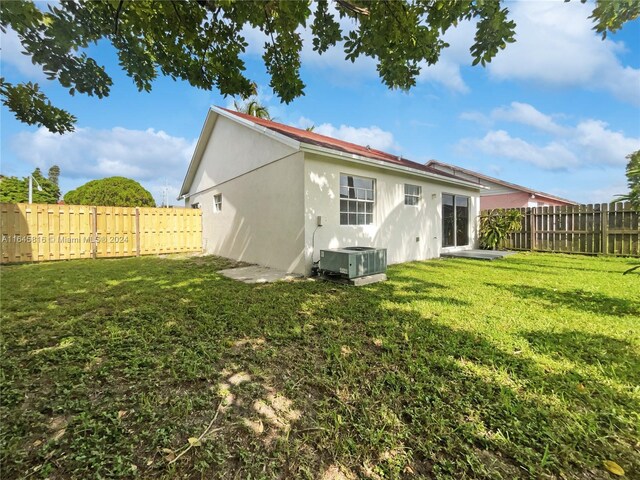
point(353, 262)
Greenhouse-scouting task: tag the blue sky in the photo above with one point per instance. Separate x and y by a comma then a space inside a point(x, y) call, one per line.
point(556, 111)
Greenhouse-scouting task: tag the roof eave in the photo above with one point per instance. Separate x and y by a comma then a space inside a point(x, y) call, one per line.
point(503, 183)
point(386, 165)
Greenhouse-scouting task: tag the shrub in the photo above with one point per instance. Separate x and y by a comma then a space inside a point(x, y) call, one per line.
point(496, 224)
point(112, 192)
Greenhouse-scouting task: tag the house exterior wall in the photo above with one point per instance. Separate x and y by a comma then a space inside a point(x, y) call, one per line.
point(408, 232)
point(517, 200)
point(261, 220)
point(260, 180)
point(233, 150)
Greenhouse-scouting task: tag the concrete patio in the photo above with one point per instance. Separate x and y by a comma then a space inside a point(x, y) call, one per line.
point(478, 254)
point(258, 274)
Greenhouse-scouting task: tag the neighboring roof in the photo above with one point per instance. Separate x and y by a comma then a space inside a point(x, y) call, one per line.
point(302, 138)
point(435, 164)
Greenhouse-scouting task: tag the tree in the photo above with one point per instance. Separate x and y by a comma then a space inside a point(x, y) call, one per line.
point(54, 174)
point(111, 191)
point(633, 180)
point(16, 190)
point(252, 107)
point(202, 42)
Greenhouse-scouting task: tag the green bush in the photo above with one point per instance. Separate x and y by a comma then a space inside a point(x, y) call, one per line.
point(496, 224)
point(16, 190)
point(111, 192)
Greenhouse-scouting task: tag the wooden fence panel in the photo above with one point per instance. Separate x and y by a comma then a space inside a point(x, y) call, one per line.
point(594, 229)
point(38, 232)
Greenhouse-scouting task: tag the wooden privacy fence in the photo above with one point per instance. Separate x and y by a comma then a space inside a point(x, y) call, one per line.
point(597, 229)
point(37, 232)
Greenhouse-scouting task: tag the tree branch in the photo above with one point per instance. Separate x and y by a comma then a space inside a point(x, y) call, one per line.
point(353, 8)
point(119, 9)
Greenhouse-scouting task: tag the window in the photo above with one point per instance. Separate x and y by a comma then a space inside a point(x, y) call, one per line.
point(455, 220)
point(356, 200)
point(412, 194)
point(195, 205)
point(217, 202)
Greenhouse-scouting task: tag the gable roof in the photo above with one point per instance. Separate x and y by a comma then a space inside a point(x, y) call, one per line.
point(303, 139)
point(435, 164)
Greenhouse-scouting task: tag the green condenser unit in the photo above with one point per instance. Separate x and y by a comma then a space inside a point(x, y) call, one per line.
point(353, 262)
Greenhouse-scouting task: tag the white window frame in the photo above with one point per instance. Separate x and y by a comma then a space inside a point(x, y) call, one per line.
point(357, 208)
point(412, 196)
point(217, 203)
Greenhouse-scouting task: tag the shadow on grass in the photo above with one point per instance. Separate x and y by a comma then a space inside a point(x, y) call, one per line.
point(617, 357)
point(409, 289)
point(576, 299)
point(375, 380)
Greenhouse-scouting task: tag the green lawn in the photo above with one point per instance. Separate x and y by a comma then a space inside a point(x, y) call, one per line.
point(528, 367)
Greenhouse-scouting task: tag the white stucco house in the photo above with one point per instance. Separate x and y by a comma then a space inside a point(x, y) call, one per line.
point(262, 185)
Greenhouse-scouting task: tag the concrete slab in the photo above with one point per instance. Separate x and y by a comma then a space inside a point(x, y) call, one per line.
point(358, 282)
point(478, 254)
point(258, 274)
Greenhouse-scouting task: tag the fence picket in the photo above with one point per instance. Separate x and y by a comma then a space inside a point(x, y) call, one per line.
point(594, 229)
point(38, 232)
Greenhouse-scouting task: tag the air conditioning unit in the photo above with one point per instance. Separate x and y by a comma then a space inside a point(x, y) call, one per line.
point(353, 262)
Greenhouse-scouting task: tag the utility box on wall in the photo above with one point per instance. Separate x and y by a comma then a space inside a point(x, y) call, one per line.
point(353, 262)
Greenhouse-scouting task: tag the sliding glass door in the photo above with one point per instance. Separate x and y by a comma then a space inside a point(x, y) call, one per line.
point(455, 220)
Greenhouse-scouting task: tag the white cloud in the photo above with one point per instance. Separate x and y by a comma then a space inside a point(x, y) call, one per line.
point(12, 55)
point(555, 45)
point(148, 156)
point(447, 71)
point(517, 112)
point(373, 136)
point(589, 142)
point(601, 145)
point(527, 115)
point(498, 143)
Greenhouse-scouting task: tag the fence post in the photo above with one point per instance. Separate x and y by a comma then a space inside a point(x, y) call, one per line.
point(137, 232)
point(94, 233)
point(532, 228)
point(604, 228)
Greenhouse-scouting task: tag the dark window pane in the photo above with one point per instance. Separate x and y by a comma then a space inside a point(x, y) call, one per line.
point(343, 219)
point(448, 222)
point(343, 205)
point(361, 219)
point(462, 221)
point(369, 218)
point(353, 207)
point(369, 207)
point(352, 219)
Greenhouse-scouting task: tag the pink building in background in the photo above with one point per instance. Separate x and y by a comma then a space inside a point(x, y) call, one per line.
point(501, 194)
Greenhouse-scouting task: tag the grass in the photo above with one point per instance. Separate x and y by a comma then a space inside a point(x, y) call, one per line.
point(528, 367)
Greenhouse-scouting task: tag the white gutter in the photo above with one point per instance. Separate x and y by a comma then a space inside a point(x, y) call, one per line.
point(305, 147)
